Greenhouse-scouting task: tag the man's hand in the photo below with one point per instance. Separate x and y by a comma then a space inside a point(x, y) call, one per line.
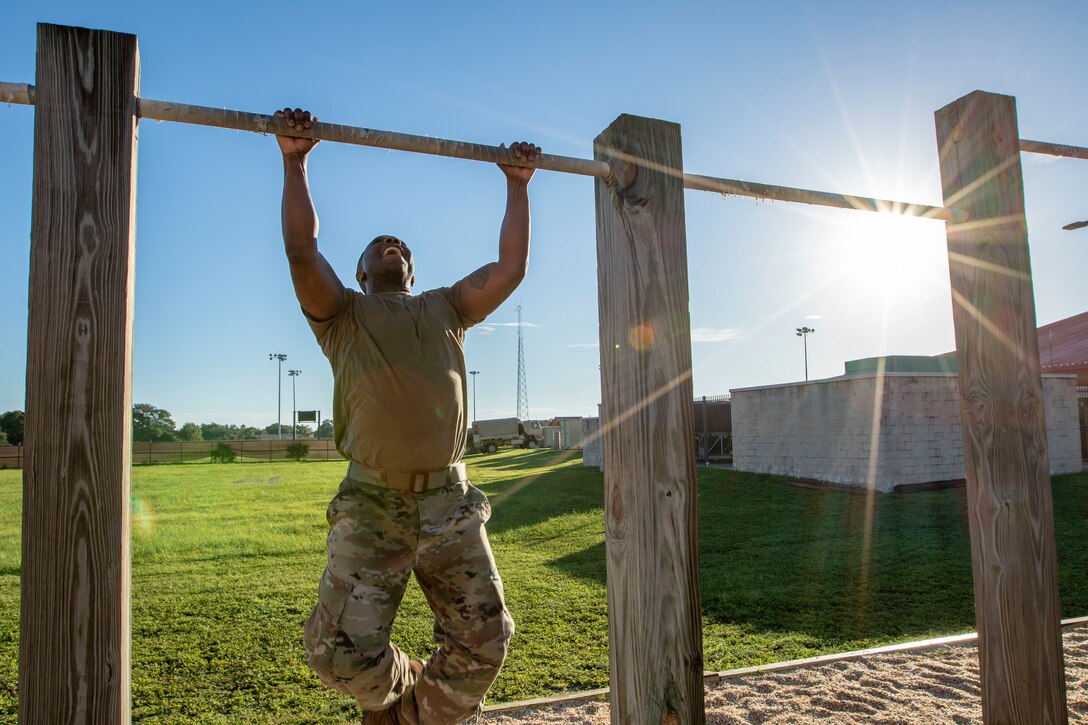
point(296, 119)
point(526, 152)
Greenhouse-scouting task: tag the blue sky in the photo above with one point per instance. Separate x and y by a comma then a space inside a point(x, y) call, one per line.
point(831, 95)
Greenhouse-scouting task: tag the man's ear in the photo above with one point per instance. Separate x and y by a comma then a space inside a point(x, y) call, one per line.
point(361, 277)
point(411, 280)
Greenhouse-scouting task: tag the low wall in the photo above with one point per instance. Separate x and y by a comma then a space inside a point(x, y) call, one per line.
point(11, 456)
point(592, 450)
point(899, 428)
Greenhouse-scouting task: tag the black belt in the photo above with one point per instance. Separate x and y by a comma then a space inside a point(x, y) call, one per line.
point(407, 481)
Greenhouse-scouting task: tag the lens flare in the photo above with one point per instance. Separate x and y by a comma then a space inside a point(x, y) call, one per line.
point(143, 518)
point(642, 336)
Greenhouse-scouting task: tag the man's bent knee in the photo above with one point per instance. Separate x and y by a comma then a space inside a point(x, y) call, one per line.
point(494, 638)
point(367, 671)
point(485, 641)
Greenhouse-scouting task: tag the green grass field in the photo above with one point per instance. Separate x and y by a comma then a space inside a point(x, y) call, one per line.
point(226, 560)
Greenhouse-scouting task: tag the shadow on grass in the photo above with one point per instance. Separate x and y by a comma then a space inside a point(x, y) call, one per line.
point(838, 568)
point(832, 565)
point(527, 500)
point(523, 461)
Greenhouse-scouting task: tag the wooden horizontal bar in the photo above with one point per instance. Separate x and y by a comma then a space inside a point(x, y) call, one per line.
point(17, 93)
point(322, 131)
point(261, 123)
point(1053, 149)
point(772, 192)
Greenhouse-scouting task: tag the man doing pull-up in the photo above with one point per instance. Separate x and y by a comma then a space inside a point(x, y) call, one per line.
point(400, 418)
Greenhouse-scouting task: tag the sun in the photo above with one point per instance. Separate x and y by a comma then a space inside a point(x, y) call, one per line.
point(891, 256)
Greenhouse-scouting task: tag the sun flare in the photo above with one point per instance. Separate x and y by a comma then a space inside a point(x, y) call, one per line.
point(892, 256)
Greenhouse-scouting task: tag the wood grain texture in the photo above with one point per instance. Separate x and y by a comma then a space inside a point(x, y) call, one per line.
point(1004, 429)
point(74, 623)
point(654, 625)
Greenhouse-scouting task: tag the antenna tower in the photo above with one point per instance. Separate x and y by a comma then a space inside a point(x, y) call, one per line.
point(523, 395)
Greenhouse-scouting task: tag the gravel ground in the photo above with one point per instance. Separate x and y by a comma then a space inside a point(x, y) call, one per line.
point(930, 686)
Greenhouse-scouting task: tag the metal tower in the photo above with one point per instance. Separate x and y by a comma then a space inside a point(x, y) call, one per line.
point(523, 396)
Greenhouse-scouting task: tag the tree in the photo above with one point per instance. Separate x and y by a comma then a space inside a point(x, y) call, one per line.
point(11, 423)
point(3, 438)
point(298, 451)
point(190, 432)
point(229, 432)
point(222, 454)
point(325, 430)
point(303, 431)
point(152, 424)
point(247, 433)
point(214, 431)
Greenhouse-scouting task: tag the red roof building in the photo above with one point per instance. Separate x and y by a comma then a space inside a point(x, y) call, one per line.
point(1063, 347)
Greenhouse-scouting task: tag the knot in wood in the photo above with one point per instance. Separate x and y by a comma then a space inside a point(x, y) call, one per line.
point(670, 718)
point(615, 507)
point(979, 407)
point(624, 171)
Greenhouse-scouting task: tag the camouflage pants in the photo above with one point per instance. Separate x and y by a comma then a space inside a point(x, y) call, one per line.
point(376, 538)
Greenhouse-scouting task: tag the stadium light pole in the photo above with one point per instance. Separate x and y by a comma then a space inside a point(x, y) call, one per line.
point(294, 406)
point(474, 373)
point(279, 390)
point(803, 333)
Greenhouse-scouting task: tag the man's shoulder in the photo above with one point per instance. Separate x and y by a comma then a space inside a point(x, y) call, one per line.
point(443, 292)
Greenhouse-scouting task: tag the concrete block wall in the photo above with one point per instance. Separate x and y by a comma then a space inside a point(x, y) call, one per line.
point(1062, 423)
point(899, 428)
point(592, 449)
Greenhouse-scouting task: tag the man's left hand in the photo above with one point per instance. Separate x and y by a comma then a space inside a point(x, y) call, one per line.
point(526, 152)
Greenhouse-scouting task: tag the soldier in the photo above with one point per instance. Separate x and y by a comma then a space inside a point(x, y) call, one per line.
point(400, 418)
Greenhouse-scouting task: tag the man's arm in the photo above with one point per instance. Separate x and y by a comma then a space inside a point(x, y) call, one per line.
point(317, 287)
point(484, 290)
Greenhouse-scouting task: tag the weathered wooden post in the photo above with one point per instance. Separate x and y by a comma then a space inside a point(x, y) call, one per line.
point(1001, 402)
point(74, 623)
point(654, 625)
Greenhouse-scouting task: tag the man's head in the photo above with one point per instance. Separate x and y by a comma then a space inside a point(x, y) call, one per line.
point(385, 265)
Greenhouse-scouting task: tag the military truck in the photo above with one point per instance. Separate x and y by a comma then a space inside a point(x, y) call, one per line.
point(488, 435)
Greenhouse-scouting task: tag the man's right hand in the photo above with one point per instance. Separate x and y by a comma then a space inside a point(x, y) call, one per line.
point(289, 145)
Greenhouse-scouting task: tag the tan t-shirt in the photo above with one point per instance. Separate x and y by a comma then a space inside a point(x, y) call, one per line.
point(399, 389)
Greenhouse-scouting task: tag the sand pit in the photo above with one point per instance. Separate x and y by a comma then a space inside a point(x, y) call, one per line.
point(930, 686)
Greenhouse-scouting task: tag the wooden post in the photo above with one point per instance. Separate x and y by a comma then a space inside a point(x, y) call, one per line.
point(654, 624)
point(1001, 402)
point(74, 623)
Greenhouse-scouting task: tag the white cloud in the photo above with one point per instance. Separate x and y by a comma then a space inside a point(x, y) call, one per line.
point(709, 334)
point(487, 328)
point(814, 317)
point(583, 344)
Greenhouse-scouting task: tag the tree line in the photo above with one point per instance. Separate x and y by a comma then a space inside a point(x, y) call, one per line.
point(152, 424)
